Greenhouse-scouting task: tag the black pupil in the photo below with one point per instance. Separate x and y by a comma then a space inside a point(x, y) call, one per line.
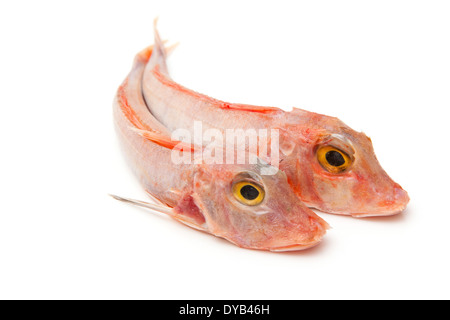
point(249, 192)
point(334, 158)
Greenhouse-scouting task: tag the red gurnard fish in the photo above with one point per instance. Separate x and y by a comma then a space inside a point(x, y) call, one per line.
point(231, 201)
point(330, 166)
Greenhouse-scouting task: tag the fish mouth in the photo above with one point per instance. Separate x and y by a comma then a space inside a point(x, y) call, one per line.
point(380, 213)
point(388, 207)
point(296, 247)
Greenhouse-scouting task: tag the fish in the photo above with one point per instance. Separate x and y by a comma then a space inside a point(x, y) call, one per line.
point(230, 201)
point(330, 166)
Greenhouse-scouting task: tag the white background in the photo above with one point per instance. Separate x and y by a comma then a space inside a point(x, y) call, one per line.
point(383, 67)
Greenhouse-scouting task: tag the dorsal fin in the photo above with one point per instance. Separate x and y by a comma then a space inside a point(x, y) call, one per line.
point(165, 80)
point(247, 107)
point(164, 140)
point(158, 65)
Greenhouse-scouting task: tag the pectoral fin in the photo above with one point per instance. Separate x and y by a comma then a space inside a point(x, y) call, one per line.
point(186, 211)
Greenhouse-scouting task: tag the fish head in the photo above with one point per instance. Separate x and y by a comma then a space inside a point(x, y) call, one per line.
point(255, 210)
point(338, 172)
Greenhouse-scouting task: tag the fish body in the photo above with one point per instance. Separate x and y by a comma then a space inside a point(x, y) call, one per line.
point(231, 201)
point(330, 166)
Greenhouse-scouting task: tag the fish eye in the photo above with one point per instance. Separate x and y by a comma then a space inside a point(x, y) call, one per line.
point(248, 193)
point(333, 160)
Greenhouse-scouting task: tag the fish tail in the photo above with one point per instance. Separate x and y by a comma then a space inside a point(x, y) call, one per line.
point(159, 53)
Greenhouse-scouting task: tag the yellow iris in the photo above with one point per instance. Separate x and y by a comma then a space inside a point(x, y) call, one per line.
point(248, 193)
point(332, 159)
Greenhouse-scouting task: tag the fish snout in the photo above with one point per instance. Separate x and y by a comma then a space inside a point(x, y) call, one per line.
point(394, 201)
point(314, 230)
point(401, 198)
point(385, 201)
point(301, 232)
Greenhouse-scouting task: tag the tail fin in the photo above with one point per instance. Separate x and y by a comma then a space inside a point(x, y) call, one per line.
point(159, 54)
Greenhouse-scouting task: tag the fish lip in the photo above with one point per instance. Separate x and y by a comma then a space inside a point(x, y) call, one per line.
point(378, 214)
point(295, 247)
point(361, 214)
point(393, 211)
point(397, 207)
